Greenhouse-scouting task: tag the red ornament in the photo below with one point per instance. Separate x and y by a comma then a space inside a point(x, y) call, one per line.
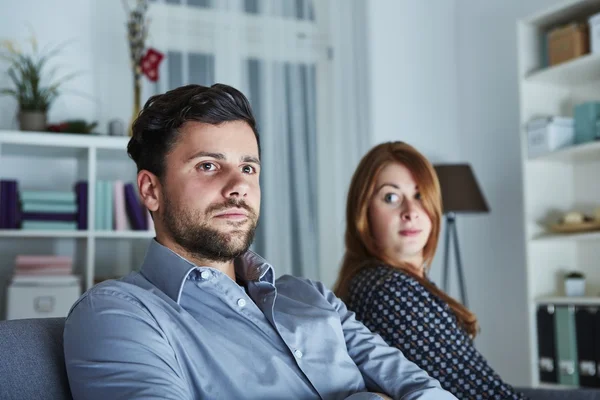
point(150, 62)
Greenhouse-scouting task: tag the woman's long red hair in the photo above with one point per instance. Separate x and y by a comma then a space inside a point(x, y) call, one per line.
point(361, 250)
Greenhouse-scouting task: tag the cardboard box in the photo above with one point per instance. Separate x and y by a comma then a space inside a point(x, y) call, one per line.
point(568, 42)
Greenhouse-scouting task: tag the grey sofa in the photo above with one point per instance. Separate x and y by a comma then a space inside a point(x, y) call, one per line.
point(32, 364)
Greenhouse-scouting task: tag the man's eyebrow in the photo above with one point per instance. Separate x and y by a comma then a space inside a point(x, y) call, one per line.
point(216, 156)
point(250, 159)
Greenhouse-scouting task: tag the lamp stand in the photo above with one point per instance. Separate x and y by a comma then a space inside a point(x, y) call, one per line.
point(452, 235)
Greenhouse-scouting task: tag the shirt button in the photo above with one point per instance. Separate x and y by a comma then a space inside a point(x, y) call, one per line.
point(298, 353)
point(205, 275)
point(241, 302)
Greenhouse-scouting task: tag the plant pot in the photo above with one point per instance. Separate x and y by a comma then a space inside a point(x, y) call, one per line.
point(575, 287)
point(32, 120)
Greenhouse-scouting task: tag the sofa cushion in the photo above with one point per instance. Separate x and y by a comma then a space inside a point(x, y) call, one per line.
point(33, 364)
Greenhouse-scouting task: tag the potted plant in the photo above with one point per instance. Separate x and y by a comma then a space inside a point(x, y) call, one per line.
point(33, 88)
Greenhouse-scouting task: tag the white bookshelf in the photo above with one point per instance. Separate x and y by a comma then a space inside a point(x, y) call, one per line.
point(565, 237)
point(560, 181)
point(576, 154)
point(51, 161)
point(565, 301)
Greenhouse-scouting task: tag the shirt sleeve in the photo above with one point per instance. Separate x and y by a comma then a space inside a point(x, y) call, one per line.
point(115, 350)
point(384, 368)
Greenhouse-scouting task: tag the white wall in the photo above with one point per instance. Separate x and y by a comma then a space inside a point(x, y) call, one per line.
point(493, 245)
point(413, 69)
point(53, 23)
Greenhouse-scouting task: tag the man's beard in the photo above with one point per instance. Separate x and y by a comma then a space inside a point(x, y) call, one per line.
point(205, 242)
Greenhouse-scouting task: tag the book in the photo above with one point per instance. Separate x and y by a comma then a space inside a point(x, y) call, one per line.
point(43, 207)
point(48, 196)
point(134, 209)
point(120, 213)
point(81, 192)
point(49, 225)
point(46, 216)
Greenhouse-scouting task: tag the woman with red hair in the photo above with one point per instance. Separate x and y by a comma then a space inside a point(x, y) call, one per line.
point(393, 219)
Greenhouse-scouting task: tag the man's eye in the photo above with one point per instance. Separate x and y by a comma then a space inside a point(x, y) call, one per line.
point(207, 166)
point(248, 169)
point(390, 198)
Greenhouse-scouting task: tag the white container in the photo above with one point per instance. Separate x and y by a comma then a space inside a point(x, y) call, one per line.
point(549, 134)
point(594, 23)
point(575, 287)
point(40, 301)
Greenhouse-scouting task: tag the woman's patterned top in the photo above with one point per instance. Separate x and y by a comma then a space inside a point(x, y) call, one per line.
point(406, 315)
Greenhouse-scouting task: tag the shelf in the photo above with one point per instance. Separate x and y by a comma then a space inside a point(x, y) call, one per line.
point(564, 11)
point(124, 234)
point(557, 386)
point(17, 233)
point(554, 237)
point(578, 153)
point(564, 300)
point(582, 70)
point(64, 140)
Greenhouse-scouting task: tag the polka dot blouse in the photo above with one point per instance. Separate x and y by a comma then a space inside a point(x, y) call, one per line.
point(406, 315)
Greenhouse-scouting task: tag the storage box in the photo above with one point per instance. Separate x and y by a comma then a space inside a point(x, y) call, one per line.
point(548, 134)
point(587, 119)
point(40, 301)
point(594, 27)
point(567, 42)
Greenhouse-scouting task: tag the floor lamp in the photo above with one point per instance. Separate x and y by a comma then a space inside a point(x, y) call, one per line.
point(460, 194)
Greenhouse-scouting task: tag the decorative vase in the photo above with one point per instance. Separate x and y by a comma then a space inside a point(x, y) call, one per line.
point(137, 99)
point(32, 120)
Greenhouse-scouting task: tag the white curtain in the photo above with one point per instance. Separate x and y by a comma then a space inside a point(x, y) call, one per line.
point(348, 137)
point(288, 234)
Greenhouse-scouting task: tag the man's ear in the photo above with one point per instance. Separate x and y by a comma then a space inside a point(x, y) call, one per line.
point(150, 189)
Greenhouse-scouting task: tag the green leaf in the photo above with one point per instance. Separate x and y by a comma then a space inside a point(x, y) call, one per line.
point(8, 92)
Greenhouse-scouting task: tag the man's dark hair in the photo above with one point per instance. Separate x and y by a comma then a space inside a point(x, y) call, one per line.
point(156, 129)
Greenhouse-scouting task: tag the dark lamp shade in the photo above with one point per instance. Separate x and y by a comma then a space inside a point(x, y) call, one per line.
point(460, 191)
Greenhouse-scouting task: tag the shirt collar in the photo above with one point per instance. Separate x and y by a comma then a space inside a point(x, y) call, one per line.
point(168, 271)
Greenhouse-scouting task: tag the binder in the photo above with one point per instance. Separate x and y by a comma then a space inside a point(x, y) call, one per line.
point(546, 344)
point(566, 345)
point(588, 348)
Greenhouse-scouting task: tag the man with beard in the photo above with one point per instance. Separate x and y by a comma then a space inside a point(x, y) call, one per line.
point(204, 316)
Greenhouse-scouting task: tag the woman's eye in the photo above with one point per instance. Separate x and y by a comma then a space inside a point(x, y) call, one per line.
point(391, 198)
point(207, 166)
point(248, 169)
point(418, 196)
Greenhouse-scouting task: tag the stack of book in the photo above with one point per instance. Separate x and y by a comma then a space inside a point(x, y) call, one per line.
point(41, 269)
point(53, 210)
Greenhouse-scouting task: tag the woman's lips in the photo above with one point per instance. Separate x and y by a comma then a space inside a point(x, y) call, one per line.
point(410, 232)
